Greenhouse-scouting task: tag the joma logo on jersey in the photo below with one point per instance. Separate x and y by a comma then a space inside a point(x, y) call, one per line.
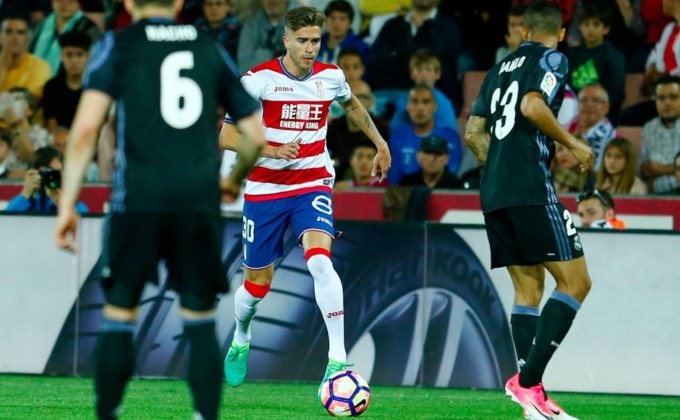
point(509, 66)
point(283, 89)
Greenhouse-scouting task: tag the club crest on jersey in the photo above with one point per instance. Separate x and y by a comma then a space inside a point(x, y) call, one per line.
point(548, 83)
point(319, 88)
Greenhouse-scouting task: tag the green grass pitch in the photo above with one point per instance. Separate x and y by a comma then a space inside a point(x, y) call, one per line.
point(45, 398)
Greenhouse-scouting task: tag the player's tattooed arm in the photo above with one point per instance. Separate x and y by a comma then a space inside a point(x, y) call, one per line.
point(359, 115)
point(477, 138)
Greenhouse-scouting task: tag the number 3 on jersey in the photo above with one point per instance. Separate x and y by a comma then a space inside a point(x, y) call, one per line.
point(508, 101)
point(181, 97)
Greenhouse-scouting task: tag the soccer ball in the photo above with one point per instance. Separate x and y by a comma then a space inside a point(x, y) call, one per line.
point(345, 394)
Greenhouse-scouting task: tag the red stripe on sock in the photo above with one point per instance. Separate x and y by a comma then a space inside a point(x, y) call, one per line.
point(258, 291)
point(317, 251)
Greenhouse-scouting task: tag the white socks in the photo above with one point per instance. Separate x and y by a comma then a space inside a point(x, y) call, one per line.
point(245, 306)
point(329, 297)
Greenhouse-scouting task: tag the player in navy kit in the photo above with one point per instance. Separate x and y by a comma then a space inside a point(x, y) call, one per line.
point(167, 81)
point(512, 132)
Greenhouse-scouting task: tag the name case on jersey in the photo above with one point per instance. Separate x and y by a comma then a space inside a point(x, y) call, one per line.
point(162, 33)
point(510, 66)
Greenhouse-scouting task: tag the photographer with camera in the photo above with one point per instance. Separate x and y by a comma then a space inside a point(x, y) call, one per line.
point(42, 185)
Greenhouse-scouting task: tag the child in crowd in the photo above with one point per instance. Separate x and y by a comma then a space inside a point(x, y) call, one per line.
point(425, 69)
point(514, 36)
point(597, 60)
point(352, 64)
point(361, 165)
point(338, 34)
point(617, 175)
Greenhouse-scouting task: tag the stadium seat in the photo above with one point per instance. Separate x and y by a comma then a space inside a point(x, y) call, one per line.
point(633, 90)
point(472, 82)
point(632, 133)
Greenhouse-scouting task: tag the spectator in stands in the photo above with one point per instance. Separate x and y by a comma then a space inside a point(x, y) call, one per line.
point(6, 155)
point(339, 34)
point(261, 38)
point(422, 27)
point(361, 164)
point(596, 209)
point(626, 31)
point(676, 166)
point(425, 69)
point(66, 16)
point(62, 92)
point(377, 12)
point(406, 139)
point(592, 122)
point(596, 59)
point(665, 57)
point(566, 171)
point(18, 67)
point(343, 135)
point(513, 36)
point(655, 20)
point(42, 185)
point(482, 27)
point(569, 109)
point(94, 10)
point(433, 158)
point(27, 134)
point(618, 173)
point(321, 5)
point(220, 25)
point(352, 64)
point(661, 137)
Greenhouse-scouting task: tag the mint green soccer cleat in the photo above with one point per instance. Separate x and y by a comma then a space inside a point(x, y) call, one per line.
point(333, 367)
point(236, 364)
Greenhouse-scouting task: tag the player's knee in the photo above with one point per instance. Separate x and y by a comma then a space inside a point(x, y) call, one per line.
point(319, 262)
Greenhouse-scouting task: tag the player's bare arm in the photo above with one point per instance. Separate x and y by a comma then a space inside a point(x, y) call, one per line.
point(230, 138)
point(359, 115)
point(90, 115)
point(534, 108)
point(477, 138)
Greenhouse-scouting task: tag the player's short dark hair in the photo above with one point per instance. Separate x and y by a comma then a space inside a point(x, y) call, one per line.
point(598, 10)
point(342, 6)
point(45, 155)
point(302, 17)
point(543, 16)
point(75, 39)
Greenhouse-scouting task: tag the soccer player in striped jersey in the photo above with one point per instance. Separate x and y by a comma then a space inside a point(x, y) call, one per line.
point(512, 132)
point(292, 181)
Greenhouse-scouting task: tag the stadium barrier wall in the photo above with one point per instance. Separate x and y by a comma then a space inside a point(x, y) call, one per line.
point(417, 295)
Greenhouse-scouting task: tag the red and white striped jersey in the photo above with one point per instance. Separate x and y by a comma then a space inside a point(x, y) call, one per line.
point(294, 109)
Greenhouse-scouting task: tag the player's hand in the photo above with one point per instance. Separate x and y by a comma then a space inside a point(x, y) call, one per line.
point(65, 232)
point(381, 163)
point(230, 190)
point(289, 150)
point(584, 154)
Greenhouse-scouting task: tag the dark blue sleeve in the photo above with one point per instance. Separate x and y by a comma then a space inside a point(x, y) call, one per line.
point(101, 73)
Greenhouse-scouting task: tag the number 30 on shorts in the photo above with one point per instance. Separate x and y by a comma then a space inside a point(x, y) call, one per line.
point(248, 230)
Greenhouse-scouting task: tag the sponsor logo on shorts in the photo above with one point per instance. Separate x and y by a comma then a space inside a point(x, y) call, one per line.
point(334, 314)
point(324, 220)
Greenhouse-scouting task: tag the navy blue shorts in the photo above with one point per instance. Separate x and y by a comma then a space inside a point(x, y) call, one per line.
point(531, 235)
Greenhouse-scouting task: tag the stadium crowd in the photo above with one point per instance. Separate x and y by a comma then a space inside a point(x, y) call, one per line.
point(410, 62)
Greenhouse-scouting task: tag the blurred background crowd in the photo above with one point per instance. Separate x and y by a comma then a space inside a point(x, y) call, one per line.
point(415, 64)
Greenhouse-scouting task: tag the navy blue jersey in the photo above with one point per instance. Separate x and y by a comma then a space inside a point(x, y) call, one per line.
point(517, 171)
point(167, 81)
